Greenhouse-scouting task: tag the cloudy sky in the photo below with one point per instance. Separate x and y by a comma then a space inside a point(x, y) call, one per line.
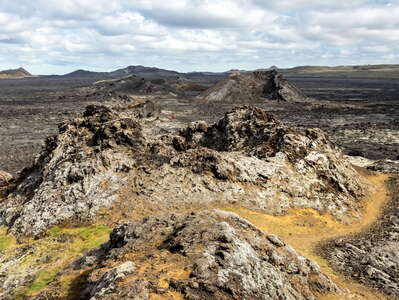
point(59, 36)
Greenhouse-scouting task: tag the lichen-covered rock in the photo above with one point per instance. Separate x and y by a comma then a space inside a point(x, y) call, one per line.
point(248, 158)
point(286, 167)
point(223, 256)
point(252, 87)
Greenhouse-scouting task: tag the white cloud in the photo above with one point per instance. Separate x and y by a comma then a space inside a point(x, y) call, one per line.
point(195, 34)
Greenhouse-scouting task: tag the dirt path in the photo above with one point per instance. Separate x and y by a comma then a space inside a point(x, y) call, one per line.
point(306, 229)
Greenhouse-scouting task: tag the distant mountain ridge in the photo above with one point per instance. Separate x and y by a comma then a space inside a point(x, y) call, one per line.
point(145, 71)
point(360, 71)
point(317, 69)
point(154, 72)
point(148, 72)
point(15, 73)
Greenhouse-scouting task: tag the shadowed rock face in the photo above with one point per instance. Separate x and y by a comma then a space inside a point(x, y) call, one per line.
point(276, 87)
point(222, 256)
point(247, 88)
point(248, 158)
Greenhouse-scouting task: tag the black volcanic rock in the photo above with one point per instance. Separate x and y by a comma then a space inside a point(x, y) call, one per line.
point(278, 88)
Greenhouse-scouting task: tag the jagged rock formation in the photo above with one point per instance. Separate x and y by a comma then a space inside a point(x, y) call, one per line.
point(252, 87)
point(279, 88)
point(248, 159)
point(372, 258)
point(205, 255)
point(64, 181)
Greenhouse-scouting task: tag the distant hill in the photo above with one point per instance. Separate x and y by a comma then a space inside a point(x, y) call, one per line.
point(15, 73)
point(86, 74)
point(324, 69)
point(367, 71)
point(147, 72)
point(317, 69)
point(360, 71)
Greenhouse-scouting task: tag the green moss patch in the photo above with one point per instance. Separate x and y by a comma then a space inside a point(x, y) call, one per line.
point(53, 253)
point(42, 280)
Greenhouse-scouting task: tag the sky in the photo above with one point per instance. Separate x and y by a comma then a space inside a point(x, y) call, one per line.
point(59, 36)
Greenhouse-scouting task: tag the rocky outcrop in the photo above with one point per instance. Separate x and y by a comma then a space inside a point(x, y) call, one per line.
point(205, 255)
point(372, 258)
point(251, 147)
point(248, 159)
point(77, 172)
point(253, 87)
